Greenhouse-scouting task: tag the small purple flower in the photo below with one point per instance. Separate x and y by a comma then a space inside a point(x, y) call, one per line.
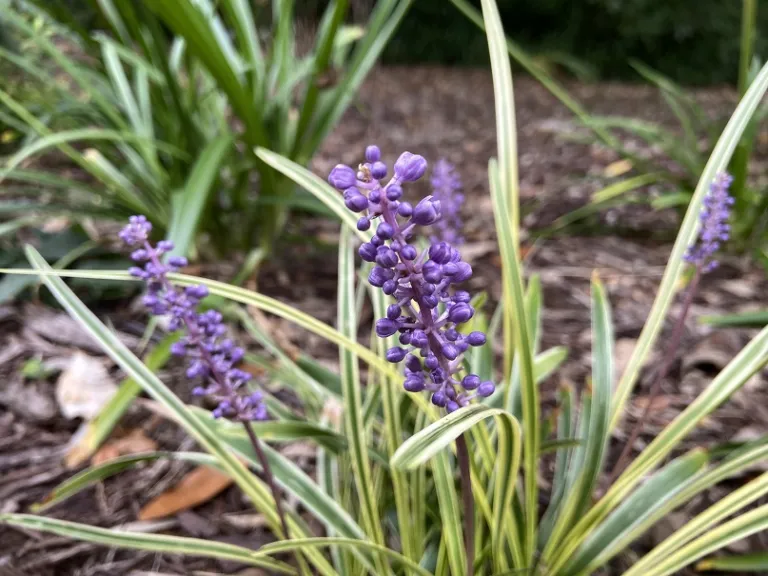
point(427, 308)
point(446, 188)
point(211, 356)
point(714, 224)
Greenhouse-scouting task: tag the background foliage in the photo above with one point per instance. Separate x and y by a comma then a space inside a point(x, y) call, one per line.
point(692, 42)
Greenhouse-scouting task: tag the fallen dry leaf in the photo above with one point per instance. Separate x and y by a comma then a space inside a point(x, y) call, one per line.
point(714, 352)
point(617, 168)
point(197, 487)
point(31, 400)
point(84, 387)
point(622, 353)
point(659, 403)
point(133, 443)
point(54, 225)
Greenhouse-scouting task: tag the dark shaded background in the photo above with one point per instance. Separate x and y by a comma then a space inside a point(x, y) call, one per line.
point(692, 41)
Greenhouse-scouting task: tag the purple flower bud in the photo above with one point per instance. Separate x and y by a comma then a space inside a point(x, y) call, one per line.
point(342, 177)
point(439, 399)
point(432, 272)
point(374, 196)
point(451, 407)
point(449, 351)
point(377, 241)
point(410, 167)
point(486, 389)
point(385, 231)
point(408, 252)
point(413, 384)
point(137, 272)
point(379, 170)
point(431, 362)
point(386, 327)
point(463, 273)
point(372, 154)
point(136, 232)
point(413, 363)
point(386, 257)
point(179, 348)
point(476, 338)
point(426, 212)
point(177, 261)
point(355, 201)
point(367, 252)
point(394, 192)
point(379, 275)
point(393, 311)
point(450, 269)
point(139, 255)
point(197, 291)
point(363, 224)
point(440, 253)
point(196, 369)
point(430, 301)
point(405, 209)
point(452, 334)
point(461, 296)
point(165, 246)
point(470, 381)
point(396, 354)
point(460, 313)
point(389, 287)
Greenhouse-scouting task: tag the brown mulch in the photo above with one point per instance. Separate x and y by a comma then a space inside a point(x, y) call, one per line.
point(438, 113)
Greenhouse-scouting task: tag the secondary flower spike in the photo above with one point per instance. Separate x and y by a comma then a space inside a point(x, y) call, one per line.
point(714, 224)
point(212, 357)
point(427, 309)
point(446, 188)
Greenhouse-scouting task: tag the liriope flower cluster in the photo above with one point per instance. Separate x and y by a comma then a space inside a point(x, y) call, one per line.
point(446, 188)
point(212, 357)
point(427, 309)
point(714, 224)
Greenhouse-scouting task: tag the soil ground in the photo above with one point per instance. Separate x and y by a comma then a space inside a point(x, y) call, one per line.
point(438, 113)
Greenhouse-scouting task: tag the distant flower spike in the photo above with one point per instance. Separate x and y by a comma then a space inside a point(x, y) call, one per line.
point(714, 224)
point(446, 187)
point(425, 313)
point(212, 357)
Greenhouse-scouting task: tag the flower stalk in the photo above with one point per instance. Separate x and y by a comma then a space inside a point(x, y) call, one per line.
point(714, 230)
point(211, 356)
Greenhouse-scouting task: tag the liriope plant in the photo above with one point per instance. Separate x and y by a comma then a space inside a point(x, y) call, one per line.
point(152, 97)
point(389, 456)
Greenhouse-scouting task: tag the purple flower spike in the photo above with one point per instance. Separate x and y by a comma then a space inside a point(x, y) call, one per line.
point(714, 224)
point(211, 356)
point(446, 187)
point(427, 309)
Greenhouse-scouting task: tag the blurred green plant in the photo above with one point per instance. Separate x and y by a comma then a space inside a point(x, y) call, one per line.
point(385, 490)
point(756, 319)
point(159, 113)
point(683, 152)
